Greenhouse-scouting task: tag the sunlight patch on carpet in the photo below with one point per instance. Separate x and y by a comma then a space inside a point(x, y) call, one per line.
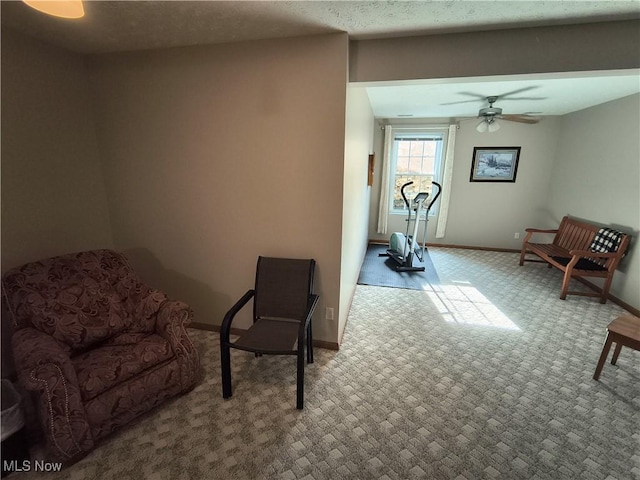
point(462, 303)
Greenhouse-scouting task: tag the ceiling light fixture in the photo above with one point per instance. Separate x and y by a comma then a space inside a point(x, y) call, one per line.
point(489, 124)
point(63, 8)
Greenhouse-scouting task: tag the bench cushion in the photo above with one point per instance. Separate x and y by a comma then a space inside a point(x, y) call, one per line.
point(581, 264)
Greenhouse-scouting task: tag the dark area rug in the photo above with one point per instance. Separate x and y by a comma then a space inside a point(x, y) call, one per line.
point(379, 271)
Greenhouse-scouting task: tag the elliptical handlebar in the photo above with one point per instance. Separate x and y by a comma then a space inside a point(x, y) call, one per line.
point(404, 197)
point(436, 196)
point(433, 200)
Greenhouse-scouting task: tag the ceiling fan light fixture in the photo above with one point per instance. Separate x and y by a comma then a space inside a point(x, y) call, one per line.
point(482, 126)
point(62, 9)
point(494, 126)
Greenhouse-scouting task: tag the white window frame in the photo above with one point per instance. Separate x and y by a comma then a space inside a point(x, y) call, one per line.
point(415, 132)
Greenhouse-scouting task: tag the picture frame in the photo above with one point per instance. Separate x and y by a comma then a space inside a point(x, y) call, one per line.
point(494, 164)
point(372, 160)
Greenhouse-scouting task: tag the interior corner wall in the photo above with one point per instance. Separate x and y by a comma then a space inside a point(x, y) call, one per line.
point(356, 193)
point(596, 177)
point(214, 155)
point(53, 194)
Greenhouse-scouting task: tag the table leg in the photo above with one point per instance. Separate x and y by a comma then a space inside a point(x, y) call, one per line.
point(616, 352)
point(603, 356)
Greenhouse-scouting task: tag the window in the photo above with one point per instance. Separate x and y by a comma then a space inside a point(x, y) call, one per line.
point(417, 157)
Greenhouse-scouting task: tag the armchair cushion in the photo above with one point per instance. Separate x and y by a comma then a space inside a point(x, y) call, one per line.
point(121, 358)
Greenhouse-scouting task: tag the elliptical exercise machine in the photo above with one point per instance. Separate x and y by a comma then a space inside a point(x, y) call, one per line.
point(403, 247)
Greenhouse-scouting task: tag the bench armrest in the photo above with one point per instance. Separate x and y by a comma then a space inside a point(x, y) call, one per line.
point(531, 231)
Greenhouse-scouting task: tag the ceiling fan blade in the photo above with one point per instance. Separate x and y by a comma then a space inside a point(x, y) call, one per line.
point(461, 101)
point(520, 118)
point(524, 98)
point(520, 90)
point(477, 96)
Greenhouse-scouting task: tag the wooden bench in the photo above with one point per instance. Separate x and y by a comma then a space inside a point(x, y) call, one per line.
point(571, 252)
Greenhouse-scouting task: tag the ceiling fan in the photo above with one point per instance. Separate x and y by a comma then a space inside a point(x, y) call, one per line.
point(490, 114)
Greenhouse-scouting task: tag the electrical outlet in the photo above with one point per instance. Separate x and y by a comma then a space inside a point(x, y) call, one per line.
point(516, 235)
point(328, 313)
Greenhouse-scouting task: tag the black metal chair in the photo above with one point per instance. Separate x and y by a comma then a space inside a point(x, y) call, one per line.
point(283, 304)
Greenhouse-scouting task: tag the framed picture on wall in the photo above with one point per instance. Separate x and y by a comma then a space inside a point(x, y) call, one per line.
point(494, 164)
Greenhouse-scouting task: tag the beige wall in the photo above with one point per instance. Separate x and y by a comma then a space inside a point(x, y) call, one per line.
point(356, 193)
point(568, 48)
point(488, 214)
point(596, 177)
point(53, 196)
point(215, 155)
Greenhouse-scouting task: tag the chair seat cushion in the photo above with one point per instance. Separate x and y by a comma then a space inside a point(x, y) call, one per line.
point(271, 335)
point(118, 360)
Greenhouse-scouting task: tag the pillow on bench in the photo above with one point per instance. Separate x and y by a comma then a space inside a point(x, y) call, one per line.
point(607, 240)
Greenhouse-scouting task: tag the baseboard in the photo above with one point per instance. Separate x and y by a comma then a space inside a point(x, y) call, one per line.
point(470, 247)
point(463, 247)
point(205, 326)
point(326, 345)
point(613, 298)
point(239, 331)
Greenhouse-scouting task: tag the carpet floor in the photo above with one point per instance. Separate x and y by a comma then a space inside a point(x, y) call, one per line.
point(486, 375)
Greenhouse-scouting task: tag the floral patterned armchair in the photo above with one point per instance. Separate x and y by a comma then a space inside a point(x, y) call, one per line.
point(95, 345)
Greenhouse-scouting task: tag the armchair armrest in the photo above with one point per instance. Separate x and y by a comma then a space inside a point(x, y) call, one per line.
point(44, 367)
point(172, 320)
point(146, 307)
point(311, 306)
point(225, 328)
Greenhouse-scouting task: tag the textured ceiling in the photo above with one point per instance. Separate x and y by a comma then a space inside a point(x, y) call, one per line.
point(111, 26)
point(140, 25)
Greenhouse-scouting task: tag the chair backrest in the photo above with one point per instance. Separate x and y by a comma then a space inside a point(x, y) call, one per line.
point(282, 288)
point(79, 299)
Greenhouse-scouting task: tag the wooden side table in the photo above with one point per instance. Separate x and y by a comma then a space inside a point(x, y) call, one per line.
point(624, 331)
